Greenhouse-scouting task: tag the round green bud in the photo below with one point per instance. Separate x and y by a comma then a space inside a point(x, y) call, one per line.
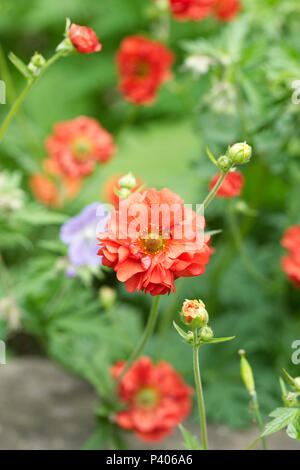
point(127, 181)
point(224, 163)
point(240, 153)
point(36, 63)
point(107, 297)
point(206, 333)
point(123, 193)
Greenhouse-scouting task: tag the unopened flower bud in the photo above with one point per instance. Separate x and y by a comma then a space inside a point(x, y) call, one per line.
point(224, 163)
point(240, 153)
point(194, 313)
point(297, 383)
point(36, 63)
point(246, 373)
point(123, 193)
point(127, 181)
point(107, 297)
point(206, 333)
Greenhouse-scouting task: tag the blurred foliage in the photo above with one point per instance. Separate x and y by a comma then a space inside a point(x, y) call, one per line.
point(246, 95)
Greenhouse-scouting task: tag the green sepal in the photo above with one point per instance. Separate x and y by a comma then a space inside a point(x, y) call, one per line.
point(19, 64)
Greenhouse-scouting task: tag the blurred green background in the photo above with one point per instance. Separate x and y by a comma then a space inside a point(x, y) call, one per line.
point(245, 96)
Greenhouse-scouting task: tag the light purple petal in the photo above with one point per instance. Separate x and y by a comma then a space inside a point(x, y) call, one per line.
point(88, 215)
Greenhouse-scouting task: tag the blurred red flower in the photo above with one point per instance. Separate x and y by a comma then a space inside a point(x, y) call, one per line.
point(84, 39)
point(291, 263)
point(53, 191)
point(143, 65)
point(156, 398)
point(231, 186)
point(226, 10)
point(291, 239)
point(195, 10)
point(112, 183)
point(147, 252)
point(77, 145)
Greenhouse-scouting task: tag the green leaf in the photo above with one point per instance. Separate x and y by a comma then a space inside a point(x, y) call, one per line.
point(98, 439)
point(292, 431)
point(19, 64)
point(218, 340)
point(190, 442)
point(282, 418)
point(186, 336)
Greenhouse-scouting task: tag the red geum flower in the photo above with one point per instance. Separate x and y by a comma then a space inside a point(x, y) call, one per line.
point(291, 263)
point(152, 240)
point(226, 10)
point(195, 10)
point(291, 239)
point(156, 399)
point(56, 190)
point(84, 39)
point(78, 144)
point(143, 65)
point(231, 186)
point(112, 183)
point(291, 266)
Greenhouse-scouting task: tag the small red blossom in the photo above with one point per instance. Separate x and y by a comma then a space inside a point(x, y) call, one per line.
point(143, 65)
point(226, 10)
point(194, 10)
point(52, 187)
point(156, 399)
point(112, 184)
point(78, 144)
point(291, 263)
point(231, 186)
point(84, 39)
point(149, 254)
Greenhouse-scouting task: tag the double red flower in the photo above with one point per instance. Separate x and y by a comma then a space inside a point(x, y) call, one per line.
point(156, 399)
point(231, 186)
point(146, 254)
point(78, 144)
point(196, 10)
point(291, 263)
point(143, 65)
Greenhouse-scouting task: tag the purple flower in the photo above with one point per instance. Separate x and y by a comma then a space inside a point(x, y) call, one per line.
point(80, 234)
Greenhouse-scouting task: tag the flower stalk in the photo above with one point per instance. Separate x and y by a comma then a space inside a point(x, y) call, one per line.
point(31, 80)
point(144, 339)
point(199, 390)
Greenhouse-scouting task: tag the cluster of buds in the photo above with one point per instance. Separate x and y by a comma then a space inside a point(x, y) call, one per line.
point(126, 184)
point(194, 315)
point(12, 198)
point(237, 154)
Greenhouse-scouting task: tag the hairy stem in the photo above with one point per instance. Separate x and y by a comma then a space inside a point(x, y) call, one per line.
point(199, 392)
point(144, 339)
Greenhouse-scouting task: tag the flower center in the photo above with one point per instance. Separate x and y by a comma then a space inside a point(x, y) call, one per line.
point(146, 398)
point(153, 244)
point(142, 69)
point(81, 148)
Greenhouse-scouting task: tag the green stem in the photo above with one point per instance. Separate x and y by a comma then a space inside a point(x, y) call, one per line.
point(214, 190)
point(199, 391)
point(22, 96)
point(144, 339)
point(258, 419)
